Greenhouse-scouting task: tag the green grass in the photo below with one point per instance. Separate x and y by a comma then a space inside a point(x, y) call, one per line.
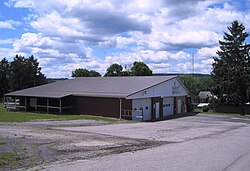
point(6, 116)
point(199, 110)
point(9, 158)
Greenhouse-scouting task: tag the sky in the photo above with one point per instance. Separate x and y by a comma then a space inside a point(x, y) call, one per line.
point(165, 34)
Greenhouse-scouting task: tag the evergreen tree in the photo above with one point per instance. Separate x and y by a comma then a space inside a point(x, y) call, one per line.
point(231, 69)
point(25, 73)
point(4, 74)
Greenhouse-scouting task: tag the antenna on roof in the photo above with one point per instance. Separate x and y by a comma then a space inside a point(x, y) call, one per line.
point(193, 72)
point(193, 63)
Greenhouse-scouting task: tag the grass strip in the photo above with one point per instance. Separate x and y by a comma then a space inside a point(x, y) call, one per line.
point(197, 110)
point(6, 116)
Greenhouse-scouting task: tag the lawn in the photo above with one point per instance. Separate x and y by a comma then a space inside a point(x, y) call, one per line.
point(26, 117)
point(197, 110)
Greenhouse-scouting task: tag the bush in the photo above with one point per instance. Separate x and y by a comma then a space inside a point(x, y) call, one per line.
point(205, 108)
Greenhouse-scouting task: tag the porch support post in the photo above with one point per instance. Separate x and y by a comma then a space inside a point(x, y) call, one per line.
point(7, 103)
point(47, 105)
point(15, 104)
point(60, 103)
point(36, 104)
point(25, 103)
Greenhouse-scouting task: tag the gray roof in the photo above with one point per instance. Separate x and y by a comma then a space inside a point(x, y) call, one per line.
point(119, 87)
point(205, 94)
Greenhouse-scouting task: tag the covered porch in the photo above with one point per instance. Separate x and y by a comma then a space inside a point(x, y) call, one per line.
point(58, 105)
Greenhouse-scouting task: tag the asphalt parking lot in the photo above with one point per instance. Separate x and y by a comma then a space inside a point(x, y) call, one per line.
point(199, 142)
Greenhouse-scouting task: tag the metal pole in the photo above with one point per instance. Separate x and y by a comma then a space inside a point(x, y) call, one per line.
point(193, 61)
point(25, 99)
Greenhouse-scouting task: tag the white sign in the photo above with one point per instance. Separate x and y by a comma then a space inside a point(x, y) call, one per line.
point(176, 89)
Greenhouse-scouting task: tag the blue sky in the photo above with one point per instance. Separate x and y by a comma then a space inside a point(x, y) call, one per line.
point(65, 35)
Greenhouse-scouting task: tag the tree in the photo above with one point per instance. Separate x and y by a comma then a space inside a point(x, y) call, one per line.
point(4, 73)
point(196, 84)
point(94, 73)
point(192, 83)
point(80, 72)
point(141, 69)
point(115, 70)
point(25, 73)
point(231, 69)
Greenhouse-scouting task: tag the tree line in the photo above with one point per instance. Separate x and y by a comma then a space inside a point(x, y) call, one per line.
point(19, 74)
point(196, 84)
point(116, 70)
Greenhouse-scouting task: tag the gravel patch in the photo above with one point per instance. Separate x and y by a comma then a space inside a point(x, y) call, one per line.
point(36, 144)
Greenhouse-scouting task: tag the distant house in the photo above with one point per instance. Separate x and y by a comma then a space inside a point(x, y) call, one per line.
point(204, 96)
point(140, 98)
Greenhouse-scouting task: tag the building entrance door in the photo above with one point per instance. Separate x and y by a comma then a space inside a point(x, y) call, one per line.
point(179, 105)
point(157, 110)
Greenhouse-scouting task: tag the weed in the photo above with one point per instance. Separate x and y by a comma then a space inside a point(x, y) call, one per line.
point(9, 158)
point(3, 143)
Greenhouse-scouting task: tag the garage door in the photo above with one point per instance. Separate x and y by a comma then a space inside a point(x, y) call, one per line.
point(141, 109)
point(168, 106)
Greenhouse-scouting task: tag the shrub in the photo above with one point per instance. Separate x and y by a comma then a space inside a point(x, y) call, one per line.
point(205, 108)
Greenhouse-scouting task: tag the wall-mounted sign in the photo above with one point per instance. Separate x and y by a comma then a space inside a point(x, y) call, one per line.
point(144, 92)
point(176, 89)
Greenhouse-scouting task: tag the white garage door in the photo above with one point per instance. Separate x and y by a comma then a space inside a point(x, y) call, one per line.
point(168, 106)
point(141, 109)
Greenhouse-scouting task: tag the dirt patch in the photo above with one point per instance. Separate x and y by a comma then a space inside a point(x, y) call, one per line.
point(39, 145)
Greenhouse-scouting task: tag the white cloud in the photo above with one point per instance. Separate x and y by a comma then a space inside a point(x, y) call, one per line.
point(147, 56)
point(207, 52)
point(7, 41)
point(70, 34)
point(6, 53)
point(9, 24)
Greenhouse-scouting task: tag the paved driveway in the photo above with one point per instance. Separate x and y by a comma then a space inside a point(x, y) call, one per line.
point(201, 142)
point(175, 130)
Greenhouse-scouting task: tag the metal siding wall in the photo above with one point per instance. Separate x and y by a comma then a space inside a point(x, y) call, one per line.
point(164, 89)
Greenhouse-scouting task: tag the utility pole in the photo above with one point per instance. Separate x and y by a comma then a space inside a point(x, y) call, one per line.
point(192, 91)
point(193, 71)
point(193, 62)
